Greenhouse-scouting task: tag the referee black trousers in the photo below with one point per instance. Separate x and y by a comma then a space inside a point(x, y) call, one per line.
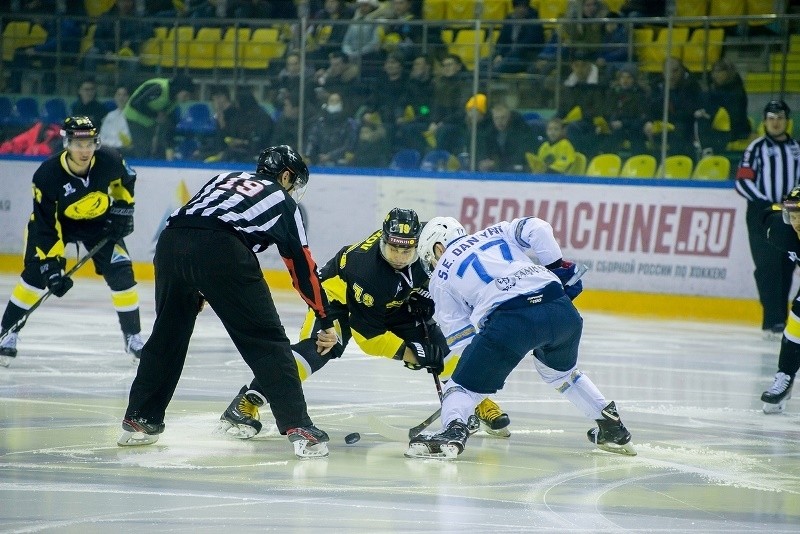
point(773, 271)
point(215, 263)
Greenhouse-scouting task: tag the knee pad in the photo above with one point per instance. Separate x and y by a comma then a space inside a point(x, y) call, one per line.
point(561, 379)
point(119, 275)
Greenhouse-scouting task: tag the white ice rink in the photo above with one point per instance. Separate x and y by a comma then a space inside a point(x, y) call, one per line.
point(709, 460)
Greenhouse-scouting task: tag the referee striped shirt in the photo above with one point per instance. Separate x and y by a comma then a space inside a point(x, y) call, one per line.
point(769, 169)
point(261, 213)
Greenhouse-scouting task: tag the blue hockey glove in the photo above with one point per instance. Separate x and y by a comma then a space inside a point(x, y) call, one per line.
point(565, 273)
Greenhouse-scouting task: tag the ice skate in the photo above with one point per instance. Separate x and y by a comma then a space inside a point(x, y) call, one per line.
point(492, 419)
point(241, 419)
point(133, 346)
point(8, 349)
point(610, 434)
point(309, 442)
point(774, 333)
point(139, 431)
point(445, 445)
point(779, 392)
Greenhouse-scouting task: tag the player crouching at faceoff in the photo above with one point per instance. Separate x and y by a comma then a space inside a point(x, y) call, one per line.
point(377, 295)
point(81, 195)
point(499, 305)
point(783, 231)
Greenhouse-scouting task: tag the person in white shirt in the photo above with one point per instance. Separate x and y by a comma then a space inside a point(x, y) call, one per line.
point(114, 131)
point(494, 305)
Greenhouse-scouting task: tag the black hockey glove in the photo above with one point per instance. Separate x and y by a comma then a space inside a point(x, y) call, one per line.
point(120, 221)
point(53, 277)
point(564, 273)
point(420, 303)
point(429, 356)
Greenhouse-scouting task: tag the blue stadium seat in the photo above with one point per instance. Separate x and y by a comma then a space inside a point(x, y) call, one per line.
point(406, 159)
point(436, 160)
point(25, 112)
point(6, 109)
point(54, 111)
point(197, 120)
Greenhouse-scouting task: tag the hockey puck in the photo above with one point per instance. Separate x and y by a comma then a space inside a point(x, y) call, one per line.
point(352, 438)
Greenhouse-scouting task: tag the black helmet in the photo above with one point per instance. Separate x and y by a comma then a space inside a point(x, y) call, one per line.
point(401, 228)
point(79, 128)
point(776, 106)
point(791, 203)
point(274, 160)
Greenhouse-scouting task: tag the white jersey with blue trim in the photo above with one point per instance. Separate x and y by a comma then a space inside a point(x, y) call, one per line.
point(479, 272)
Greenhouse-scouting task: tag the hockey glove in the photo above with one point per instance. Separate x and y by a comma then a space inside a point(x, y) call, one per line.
point(120, 221)
point(429, 356)
point(53, 277)
point(420, 303)
point(564, 273)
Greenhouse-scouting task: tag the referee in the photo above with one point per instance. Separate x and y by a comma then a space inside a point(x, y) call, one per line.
point(769, 169)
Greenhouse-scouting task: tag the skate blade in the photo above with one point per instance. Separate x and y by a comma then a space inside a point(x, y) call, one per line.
point(626, 449)
point(303, 450)
point(770, 409)
point(132, 439)
point(235, 431)
point(420, 450)
point(5, 361)
point(498, 433)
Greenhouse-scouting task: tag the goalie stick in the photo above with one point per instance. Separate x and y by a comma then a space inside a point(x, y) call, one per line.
point(21, 322)
point(580, 270)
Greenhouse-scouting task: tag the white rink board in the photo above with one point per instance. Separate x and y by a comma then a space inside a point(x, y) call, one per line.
point(646, 237)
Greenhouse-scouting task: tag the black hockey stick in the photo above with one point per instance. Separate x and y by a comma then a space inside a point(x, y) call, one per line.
point(580, 270)
point(21, 322)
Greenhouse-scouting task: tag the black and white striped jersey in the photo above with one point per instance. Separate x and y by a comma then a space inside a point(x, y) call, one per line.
point(262, 213)
point(769, 169)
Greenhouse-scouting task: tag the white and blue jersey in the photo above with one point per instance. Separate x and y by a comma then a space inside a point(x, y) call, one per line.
point(479, 272)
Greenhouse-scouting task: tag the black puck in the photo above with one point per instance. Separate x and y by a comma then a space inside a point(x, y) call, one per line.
point(352, 438)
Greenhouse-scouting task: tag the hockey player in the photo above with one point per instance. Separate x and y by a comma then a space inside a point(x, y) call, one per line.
point(377, 295)
point(207, 253)
point(783, 226)
point(496, 304)
point(81, 195)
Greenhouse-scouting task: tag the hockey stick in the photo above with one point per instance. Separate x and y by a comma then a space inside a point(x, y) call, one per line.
point(580, 270)
point(21, 322)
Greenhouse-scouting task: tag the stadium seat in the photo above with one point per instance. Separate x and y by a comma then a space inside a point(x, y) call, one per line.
point(579, 167)
point(54, 111)
point(15, 35)
point(712, 168)
point(726, 8)
point(691, 8)
point(762, 7)
point(439, 160)
point(197, 120)
point(464, 46)
point(614, 6)
point(495, 9)
point(406, 159)
point(202, 50)
point(677, 166)
point(703, 49)
point(434, 9)
point(652, 56)
point(186, 148)
point(6, 109)
point(25, 112)
point(460, 9)
point(175, 47)
point(228, 49)
point(639, 166)
point(95, 8)
point(606, 165)
point(263, 46)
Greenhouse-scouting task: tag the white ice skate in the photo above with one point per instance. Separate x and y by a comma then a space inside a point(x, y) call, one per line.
point(779, 392)
point(444, 445)
point(309, 442)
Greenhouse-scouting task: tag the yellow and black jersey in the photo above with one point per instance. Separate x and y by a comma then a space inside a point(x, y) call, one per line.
point(368, 294)
point(70, 208)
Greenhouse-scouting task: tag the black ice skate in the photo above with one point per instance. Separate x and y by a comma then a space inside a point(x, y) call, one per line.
point(8, 349)
point(610, 434)
point(309, 442)
point(139, 431)
point(779, 392)
point(241, 419)
point(445, 445)
point(133, 346)
point(493, 420)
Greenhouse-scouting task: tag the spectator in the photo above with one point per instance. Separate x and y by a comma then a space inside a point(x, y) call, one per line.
point(151, 115)
point(416, 103)
point(613, 51)
point(251, 9)
point(114, 131)
point(332, 137)
point(624, 116)
point(520, 39)
point(399, 35)
point(457, 139)
point(723, 116)
point(556, 155)
point(684, 99)
point(119, 34)
point(246, 126)
point(87, 104)
point(508, 139)
point(340, 77)
point(447, 113)
point(386, 95)
point(372, 147)
point(582, 103)
point(289, 80)
point(362, 42)
point(644, 8)
point(324, 35)
point(582, 31)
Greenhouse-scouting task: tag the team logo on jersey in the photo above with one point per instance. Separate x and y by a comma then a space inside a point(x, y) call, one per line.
point(120, 255)
point(505, 283)
point(91, 206)
point(68, 189)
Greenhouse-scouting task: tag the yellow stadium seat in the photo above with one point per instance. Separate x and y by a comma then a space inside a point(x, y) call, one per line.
point(726, 8)
point(175, 47)
point(15, 35)
point(202, 51)
point(761, 7)
point(495, 9)
point(579, 166)
point(712, 168)
point(639, 166)
point(228, 49)
point(691, 8)
point(606, 165)
point(95, 8)
point(464, 46)
point(652, 56)
point(263, 46)
point(434, 9)
point(535, 165)
point(460, 9)
point(703, 49)
point(615, 6)
point(678, 166)
point(87, 41)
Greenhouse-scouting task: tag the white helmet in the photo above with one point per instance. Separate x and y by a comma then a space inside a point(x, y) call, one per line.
point(442, 230)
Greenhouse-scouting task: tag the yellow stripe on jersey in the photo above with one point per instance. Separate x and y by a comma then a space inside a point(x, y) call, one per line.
point(450, 362)
point(124, 301)
point(119, 192)
point(385, 345)
point(25, 295)
point(336, 289)
point(792, 331)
